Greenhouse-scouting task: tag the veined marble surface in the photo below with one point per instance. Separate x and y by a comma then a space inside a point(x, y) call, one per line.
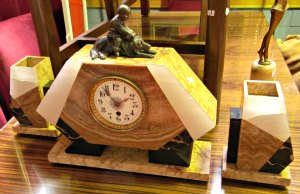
point(136, 160)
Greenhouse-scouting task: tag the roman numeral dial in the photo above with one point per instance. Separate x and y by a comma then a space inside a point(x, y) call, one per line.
point(117, 103)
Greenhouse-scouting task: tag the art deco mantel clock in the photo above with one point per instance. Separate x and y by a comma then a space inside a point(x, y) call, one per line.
point(156, 104)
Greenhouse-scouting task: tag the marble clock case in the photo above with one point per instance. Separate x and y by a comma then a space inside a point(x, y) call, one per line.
point(180, 109)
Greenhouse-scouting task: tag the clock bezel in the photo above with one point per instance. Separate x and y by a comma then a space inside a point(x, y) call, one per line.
point(104, 122)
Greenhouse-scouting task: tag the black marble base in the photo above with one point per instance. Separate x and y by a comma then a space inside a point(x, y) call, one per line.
point(176, 152)
point(47, 86)
point(66, 130)
point(234, 134)
point(80, 146)
point(280, 160)
point(20, 116)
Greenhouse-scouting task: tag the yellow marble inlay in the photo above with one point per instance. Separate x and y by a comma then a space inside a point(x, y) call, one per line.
point(42, 69)
point(44, 73)
point(172, 60)
point(190, 81)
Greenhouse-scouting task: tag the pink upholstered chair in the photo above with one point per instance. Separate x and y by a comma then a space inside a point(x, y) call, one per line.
point(18, 39)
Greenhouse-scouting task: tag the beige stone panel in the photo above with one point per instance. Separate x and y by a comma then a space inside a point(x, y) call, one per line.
point(136, 160)
point(28, 102)
point(256, 147)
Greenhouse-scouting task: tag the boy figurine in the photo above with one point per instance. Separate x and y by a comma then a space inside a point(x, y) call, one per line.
point(119, 30)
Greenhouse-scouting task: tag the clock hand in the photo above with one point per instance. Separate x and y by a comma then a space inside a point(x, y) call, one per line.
point(124, 100)
point(116, 103)
point(119, 102)
point(106, 90)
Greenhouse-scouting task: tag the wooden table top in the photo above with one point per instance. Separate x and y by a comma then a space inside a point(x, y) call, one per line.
point(24, 167)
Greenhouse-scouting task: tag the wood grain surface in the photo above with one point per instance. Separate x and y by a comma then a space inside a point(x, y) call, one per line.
point(23, 159)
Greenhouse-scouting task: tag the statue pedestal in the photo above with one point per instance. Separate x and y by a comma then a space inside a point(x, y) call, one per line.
point(263, 72)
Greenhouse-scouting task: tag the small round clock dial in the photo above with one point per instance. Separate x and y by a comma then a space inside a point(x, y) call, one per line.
point(117, 103)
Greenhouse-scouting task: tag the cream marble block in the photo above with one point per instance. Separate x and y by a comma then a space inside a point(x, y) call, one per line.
point(28, 73)
point(196, 119)
point(136, 160)
point(264, 107)
point(229, 171)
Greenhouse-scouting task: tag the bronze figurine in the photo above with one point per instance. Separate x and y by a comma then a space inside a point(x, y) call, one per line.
point(121, 40)
point(277, 12)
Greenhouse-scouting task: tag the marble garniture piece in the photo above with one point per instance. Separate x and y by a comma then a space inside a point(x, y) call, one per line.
point(168, 117)
point(30, 78)
point(193, 107)
point(264, 141)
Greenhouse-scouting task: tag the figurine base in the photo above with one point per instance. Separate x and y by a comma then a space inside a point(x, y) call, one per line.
point(136, 161)
point(30, 130)
point(231, 172)
point(263, 72)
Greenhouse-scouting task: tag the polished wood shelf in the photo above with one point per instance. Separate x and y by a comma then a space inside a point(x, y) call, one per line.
point(24, 166)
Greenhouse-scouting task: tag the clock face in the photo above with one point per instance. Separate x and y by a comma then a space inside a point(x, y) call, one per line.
point(117, 103)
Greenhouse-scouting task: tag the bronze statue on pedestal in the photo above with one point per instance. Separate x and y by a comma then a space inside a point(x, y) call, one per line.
point(121, 40)
point(277, 12)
